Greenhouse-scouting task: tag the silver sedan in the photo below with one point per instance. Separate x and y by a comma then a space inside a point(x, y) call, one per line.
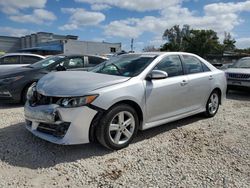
point(121, 96)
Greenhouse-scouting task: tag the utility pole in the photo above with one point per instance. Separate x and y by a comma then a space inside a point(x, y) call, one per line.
point(132, 45)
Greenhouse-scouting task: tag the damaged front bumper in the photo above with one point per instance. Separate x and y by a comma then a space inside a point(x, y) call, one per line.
point(59, 125)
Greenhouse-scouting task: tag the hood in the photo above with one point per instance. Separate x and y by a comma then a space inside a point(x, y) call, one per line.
point(238, 70)
point(75, 83)
point(8, 70)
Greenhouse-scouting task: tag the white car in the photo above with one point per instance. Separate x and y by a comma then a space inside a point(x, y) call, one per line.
point(19, 59)
point(118, 97)
point(238, 74)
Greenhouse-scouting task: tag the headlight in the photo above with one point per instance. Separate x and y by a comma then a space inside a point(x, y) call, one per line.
point(77, 101)
point(31, 92)
point(10, 80)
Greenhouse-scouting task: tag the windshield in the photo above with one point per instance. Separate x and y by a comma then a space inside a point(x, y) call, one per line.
point(125, 65)
point(242, 63)
point(46, 62)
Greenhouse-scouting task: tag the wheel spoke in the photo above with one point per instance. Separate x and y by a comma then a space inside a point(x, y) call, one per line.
point(114, 127)
point(127, 133)
point(127, 122)
point(121, 118)
point(117, 137)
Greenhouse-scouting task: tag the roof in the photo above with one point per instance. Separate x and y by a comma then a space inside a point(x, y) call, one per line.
point(24, 54)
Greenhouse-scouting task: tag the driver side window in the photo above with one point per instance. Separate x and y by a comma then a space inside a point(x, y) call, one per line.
point(73, 63)
point(171, 65)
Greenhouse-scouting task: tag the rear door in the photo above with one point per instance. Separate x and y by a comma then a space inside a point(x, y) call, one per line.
point(166, 98)
point(200, 81)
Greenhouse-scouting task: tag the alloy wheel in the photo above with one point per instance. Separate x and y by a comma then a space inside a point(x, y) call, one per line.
point(213, 103)
point(121, 127)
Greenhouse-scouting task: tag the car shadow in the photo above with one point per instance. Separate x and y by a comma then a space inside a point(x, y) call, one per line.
point(238, 95)
point(18, 147)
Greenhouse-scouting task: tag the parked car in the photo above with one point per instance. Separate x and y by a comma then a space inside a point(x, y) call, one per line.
point(14, 83)
point(238, 74)
point(19, 59)
point(118, 97)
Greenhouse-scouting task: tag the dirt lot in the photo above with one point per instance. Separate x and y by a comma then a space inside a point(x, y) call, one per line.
point(194, 152)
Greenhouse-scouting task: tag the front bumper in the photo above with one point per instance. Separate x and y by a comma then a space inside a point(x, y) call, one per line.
point(59, 125)
point(238, 83)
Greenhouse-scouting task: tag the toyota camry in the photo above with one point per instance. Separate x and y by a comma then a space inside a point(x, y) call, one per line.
point(127, 93)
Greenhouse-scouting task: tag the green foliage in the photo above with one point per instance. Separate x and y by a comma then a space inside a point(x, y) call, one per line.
point(200, 42)
point(228, 42)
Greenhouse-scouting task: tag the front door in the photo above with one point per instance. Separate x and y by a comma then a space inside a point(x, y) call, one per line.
point(166, 98)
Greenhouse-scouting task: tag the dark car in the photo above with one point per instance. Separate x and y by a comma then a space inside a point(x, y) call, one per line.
point(14, 82)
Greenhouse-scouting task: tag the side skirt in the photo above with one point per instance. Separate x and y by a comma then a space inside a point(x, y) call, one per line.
point(174, 118)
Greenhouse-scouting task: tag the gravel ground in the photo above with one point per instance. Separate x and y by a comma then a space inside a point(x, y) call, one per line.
point(194, 152)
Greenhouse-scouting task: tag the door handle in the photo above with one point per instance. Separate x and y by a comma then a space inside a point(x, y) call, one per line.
point(184, 82)
point(210, 77)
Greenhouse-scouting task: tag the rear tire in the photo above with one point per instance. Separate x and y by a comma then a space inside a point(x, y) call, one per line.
point(213, 104)
point(118, 127)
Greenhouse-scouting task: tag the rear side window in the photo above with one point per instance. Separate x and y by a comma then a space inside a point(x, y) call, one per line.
point(29, 59)
point(171, 65)
point(11, 60)
point(192, 64)
point(205, 68)
point(92, 61)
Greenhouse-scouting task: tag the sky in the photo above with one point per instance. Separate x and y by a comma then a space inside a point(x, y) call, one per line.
point(121, 20)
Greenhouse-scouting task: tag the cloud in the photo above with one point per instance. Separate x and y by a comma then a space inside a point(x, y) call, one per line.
point(220, 17)
point(243, 43)
point(13, 6)
point(80, 18)
point(39, 16)
point(137, 5)
point(99, 7)
point(15, 32)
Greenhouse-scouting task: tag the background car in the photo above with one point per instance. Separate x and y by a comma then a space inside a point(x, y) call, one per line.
point(238, 74)
point(14, 83)
point(19, 59)
point(118, 97)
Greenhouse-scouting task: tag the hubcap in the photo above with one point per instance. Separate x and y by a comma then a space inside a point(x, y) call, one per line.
point(213, 103)
point(122, 127)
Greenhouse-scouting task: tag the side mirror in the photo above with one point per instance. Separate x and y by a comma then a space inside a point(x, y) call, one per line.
point(229, 66)
point(60, 68)
point(157, 74)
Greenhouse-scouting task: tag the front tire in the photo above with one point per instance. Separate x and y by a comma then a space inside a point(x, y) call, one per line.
point(213, 103)
point(118, 127)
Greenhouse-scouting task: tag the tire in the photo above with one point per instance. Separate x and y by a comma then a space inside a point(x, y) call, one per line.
point(24, 95)
point(213, 104)
point(120, 134)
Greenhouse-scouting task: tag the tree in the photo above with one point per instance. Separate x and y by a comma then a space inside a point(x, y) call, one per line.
point(203, 42)
point(228, 42)
point(200, 42)
point(150, 49)
point(174, 37)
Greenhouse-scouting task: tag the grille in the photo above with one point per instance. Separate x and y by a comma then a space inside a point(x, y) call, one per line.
point(238, 76)
point(57, 130)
